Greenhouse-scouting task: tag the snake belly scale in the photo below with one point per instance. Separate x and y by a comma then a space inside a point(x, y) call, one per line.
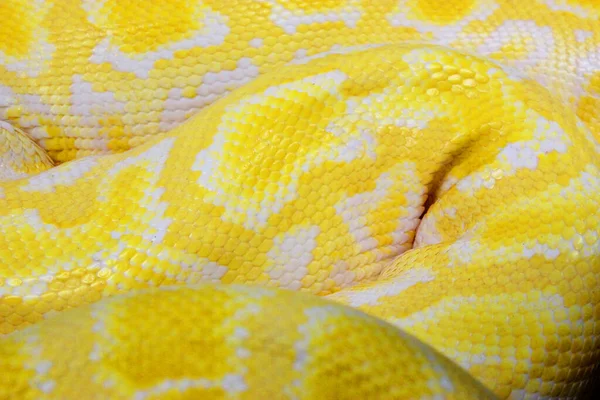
point(299, 199)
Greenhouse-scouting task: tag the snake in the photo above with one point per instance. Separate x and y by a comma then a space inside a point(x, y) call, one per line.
point(295, 199)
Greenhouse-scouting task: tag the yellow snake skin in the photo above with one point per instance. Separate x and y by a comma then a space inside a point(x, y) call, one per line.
point(174, 173)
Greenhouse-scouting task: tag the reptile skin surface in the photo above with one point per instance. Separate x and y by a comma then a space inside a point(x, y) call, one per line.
point(173, 174)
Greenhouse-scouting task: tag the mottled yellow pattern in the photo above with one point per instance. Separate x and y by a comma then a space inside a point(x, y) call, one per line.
point(431, 168)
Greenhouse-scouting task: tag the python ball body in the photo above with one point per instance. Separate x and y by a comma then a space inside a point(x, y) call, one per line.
point(449, 187)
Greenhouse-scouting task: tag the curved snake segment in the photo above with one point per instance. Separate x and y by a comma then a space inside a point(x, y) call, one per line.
point(451, 195)
point(122, 72)
point(250, 355)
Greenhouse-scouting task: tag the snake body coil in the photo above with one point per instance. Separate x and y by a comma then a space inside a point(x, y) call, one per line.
point(171, 173)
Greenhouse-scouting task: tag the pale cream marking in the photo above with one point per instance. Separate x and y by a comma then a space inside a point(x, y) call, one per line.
point(549, 246)
point(291, 254)
point(213, 271)
point(37, 285)
point(540, 41)
point(441, 378)
point(449, 182)
point(63, 175)
point(446, 307)
point(214, 85)
point(576, 9)
point(373, 111)
point(7, 99)
point(190, 268)
point(91, 106)
point(428, 233)
point(29, 218)
point(349, 13)
point(581, 35)
point(101, 312)
point(250, 292)
point(233, 384)
point(240, 334)
point(404, 16)
point(466, 250)
point(359, 143)
point(371, 295)
point(415, 193)
point(301, 56)
point(548, 137)
point(257, 43)
point(93, 9)
point(209, 162)
point(341, 274)
point(7, 127)
point(152, 216)
point(354, 210)
point(7, 173)
point(586, 184)
point(41, 50)
point(454, 305)
point(31, 107)
point(34, 362)
point(317, 317)
point(213, 33)
point(96, 353)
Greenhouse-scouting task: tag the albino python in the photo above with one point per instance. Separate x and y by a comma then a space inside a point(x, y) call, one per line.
point(430, 167)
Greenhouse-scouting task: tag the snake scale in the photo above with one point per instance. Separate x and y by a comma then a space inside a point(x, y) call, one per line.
point(336, 199)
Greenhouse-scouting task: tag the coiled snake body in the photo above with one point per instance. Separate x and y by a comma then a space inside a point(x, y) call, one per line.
point(430, 167)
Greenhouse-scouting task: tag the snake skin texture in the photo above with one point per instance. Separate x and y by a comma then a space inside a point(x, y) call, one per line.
point(174, 174)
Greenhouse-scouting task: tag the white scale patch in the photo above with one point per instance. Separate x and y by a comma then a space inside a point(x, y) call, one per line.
point(35, 362)
point(214, 85)
point(433, 314)
point(31, 105)
point(400, 283)
point(213, 33)
point(467, 249)
point(540, 41)
point(291, 254)
point(586, 184)
point(233, 384)
point(63, 175)
point(39, 284)
point(254, 214)
point(582, 35)
point(548, 137)
point(92, 106)
point(465, 252)
point(152, 209)
point(7, 99)
point(341, 274)
point(578, 10)
point(301, 56)
point(191, 269)
point(428, 233)
point(405, 16)
point(8, 174)
point(317, 318)
point(354, 210)
point(41, 50)
point(348, 13)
